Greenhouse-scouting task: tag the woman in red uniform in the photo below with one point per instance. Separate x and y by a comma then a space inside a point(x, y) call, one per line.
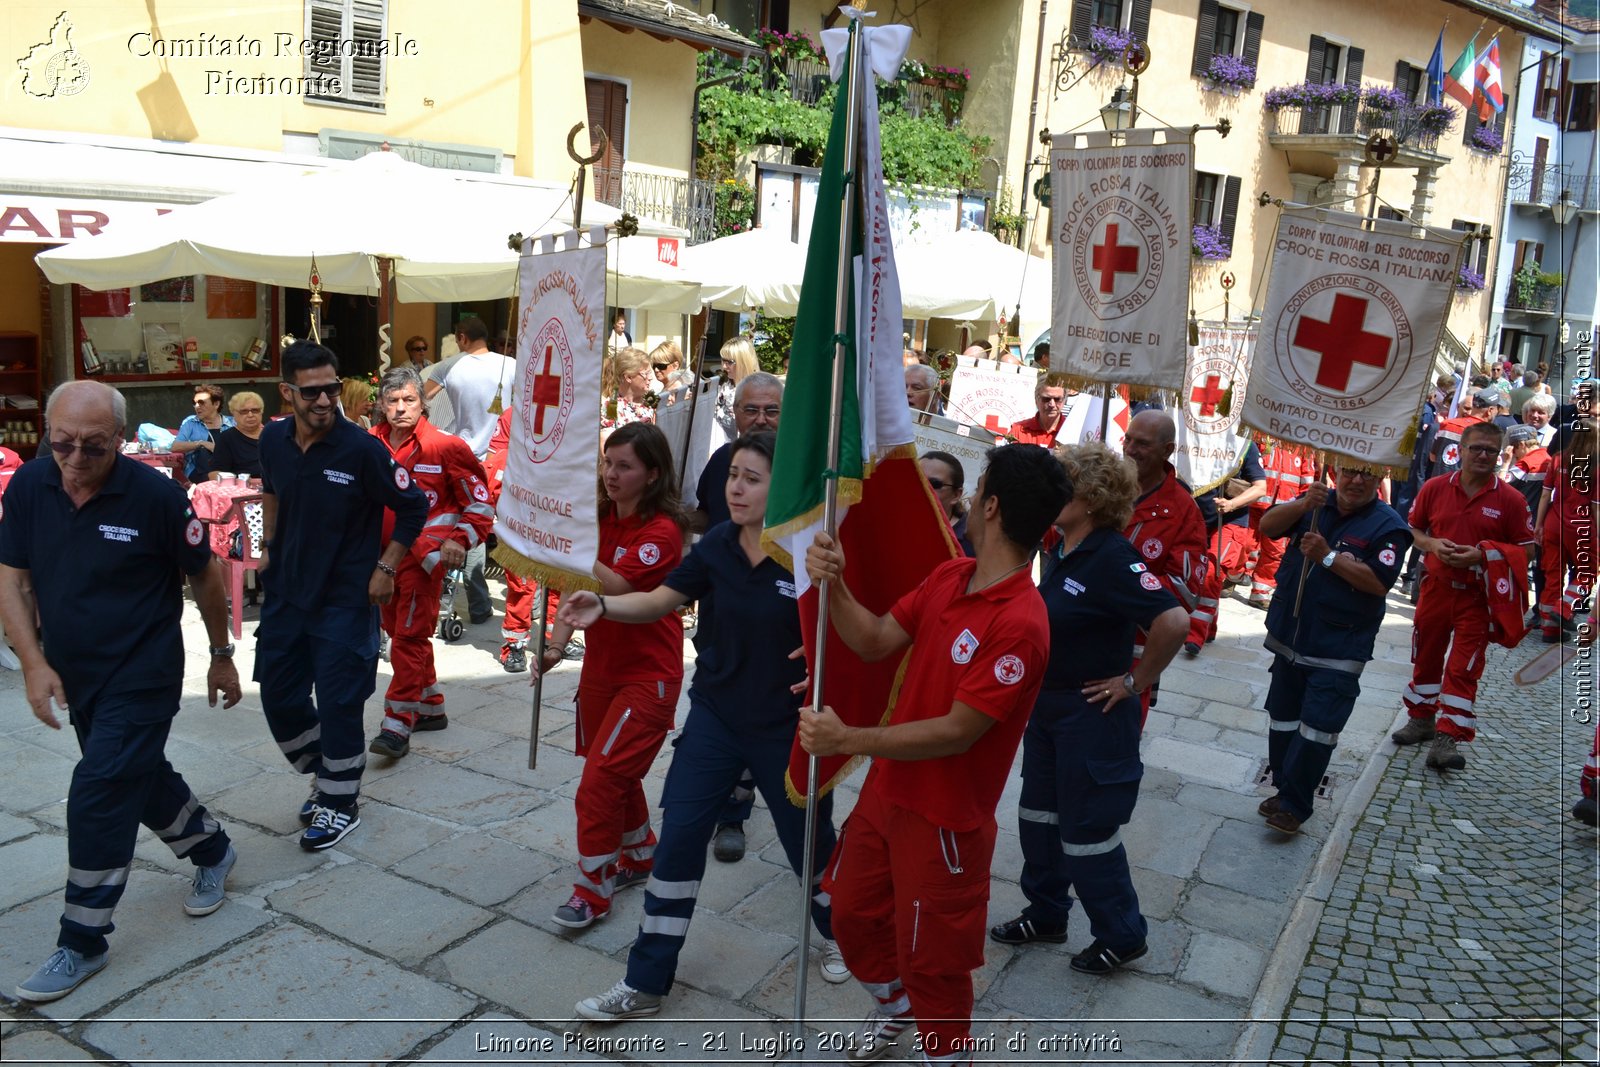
point(1564, 529)
point(631, 674)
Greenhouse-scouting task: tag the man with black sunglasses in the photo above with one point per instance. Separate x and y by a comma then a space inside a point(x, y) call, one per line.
point(325, 484)
point(90, 535)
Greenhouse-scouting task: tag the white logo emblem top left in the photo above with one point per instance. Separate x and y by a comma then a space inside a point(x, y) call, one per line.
point(54, 67)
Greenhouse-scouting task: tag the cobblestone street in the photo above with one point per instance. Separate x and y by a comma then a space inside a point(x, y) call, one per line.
point(1462, 925)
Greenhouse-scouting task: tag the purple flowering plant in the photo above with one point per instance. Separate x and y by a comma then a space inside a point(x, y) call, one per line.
point(1469, 280)
point(1486, 139)
point(1210, 242)
point(1107, 44)
point(1226, 69)
point(1311, 94)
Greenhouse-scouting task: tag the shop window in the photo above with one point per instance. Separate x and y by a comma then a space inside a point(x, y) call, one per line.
point(348, 40)
point(193, 327)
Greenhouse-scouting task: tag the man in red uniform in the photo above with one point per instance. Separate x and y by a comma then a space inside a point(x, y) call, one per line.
point(1451, 517)
point(459, 517)
point(1167, 528)
point(519, 590)
point(1289, 473)
point(1049, 400)
point(909, 879)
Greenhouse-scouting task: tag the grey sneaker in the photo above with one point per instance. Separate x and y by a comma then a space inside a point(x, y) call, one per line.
point(577, 914)
point(1443, 755)
point(623, 1002)
point(628, 876)
point(1414, 732)
point(210, 885)
point(728, 844)
point(59, 975)
point(832, 964)
point(876, 1037)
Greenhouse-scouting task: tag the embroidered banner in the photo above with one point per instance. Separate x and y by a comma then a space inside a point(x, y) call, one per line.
point(1351, 322)
point(989, 394)
point(546, 519)
point(1122, 239)
point(1211, 441)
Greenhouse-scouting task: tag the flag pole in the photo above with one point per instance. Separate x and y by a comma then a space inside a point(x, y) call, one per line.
point(843, 291)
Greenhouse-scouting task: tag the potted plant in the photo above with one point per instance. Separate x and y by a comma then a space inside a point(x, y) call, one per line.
point(1107, 45)
point(1311, 95)
point(1486, 139)
point(1227, 72)
point(1385, 107)
point(1469, 280)
point(955, 79)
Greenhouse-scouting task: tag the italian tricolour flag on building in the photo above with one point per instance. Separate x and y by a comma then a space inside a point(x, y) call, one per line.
point(892, 530)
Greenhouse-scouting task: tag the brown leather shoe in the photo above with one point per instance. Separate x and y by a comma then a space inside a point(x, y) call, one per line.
point(1269, 807)
point(1283, 822)
point(1414, 732)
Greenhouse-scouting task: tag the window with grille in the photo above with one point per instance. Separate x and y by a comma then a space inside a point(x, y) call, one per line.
point(347, 39)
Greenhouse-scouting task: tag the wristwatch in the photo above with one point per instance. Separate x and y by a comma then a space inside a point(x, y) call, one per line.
point(1327, 561)
point(224, 652)
point(1127, 681)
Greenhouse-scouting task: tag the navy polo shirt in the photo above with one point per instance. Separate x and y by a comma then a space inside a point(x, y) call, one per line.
point(749, 623)
point(1251, 470)
point(1098, 596)
point(331, 497)
point(712, 488)
point(1336, 620)
point(107, 577)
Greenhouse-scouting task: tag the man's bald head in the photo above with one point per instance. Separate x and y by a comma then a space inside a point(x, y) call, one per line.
point(94, 401)
point(1149, 442)
point(1163, 431)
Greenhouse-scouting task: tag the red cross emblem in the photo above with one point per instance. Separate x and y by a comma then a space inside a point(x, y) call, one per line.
point(1342, 342)
point(1208, 395)
point(1008, 670)
point(1112, 259)
point(963, 648)
point(546, 389)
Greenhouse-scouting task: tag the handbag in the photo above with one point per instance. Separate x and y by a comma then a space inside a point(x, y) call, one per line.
point(1236, 487)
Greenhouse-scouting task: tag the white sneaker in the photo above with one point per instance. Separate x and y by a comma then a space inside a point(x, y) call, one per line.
point(832, 964)
point(877, 1037)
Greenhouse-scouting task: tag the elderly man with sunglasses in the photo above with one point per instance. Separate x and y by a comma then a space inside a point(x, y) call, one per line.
point(325, 484)
point(92, 535)
point(1344, 552)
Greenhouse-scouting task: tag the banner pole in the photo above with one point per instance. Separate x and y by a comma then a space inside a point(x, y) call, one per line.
point(699, 364)
point(843, 292)
point(542, 591)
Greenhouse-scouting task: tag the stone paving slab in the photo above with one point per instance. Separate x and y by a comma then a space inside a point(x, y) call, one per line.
point(477, 867)
point(36, 866)
point(31, 777)
point(12, 828)
point(269, 996)
point(43, 1047)
point(379, 910)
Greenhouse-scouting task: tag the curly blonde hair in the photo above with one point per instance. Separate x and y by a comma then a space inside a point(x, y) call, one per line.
point(1107, 484)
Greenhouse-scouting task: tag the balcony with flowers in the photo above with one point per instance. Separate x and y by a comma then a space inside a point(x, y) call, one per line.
point(1339, 119)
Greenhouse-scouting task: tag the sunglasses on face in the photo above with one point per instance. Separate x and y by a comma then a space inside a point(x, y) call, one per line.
point(309, 393)
point(660, 366)
point(248, 411)
point(67, 448)
point(940, 483)
point(417, 348)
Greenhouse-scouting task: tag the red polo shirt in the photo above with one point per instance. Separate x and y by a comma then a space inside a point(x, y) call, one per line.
point(644, 551)
point(987, 650)
point(1442, 509)
point(1031, 431)
point(1572, 489)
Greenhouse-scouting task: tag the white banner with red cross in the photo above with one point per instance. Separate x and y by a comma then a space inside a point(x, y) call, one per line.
point(546, 520)
point(1352, 319)
point(1122, 248)
point(1211, 440)
point(991, 395)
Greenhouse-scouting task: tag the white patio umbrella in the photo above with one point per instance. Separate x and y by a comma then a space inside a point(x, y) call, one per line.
point(446, 235)
point(968, 274)
point(759, 268)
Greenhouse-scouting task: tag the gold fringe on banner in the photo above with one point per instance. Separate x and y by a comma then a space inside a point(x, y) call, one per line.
point(555, 577)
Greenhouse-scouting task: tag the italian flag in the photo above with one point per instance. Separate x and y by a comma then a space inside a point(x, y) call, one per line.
point(1462, 79)
point(891, 528)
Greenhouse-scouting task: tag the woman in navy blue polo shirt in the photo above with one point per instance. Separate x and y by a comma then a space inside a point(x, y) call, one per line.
point(743, 710)
point(1080, 753)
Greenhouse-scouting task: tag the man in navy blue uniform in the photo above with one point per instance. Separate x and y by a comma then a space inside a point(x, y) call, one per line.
point(93, 535)
point(325, 483)
point(1321, 626)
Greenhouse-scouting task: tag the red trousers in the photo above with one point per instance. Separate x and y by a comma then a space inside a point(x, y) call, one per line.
point(1208, 601)
point(620, 730)
point(1268, 554)
point(1565, 544)
point(519, 609)
point(1448, 639)
point(894, 870)
point(409, 619)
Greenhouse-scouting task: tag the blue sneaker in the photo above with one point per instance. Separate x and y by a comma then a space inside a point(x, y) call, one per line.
point(59, 975)
point(328, 827)
point(210, 885)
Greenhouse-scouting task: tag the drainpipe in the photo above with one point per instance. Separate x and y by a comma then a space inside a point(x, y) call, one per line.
point(1033, 116)
point(694, 120)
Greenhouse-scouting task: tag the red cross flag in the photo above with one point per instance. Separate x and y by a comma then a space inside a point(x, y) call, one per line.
point(545, 519)
point(1211, 441)
point(1122, 256)
point(1347, 337)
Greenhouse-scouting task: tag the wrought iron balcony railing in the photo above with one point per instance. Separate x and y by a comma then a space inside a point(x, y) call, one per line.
point(686, 202)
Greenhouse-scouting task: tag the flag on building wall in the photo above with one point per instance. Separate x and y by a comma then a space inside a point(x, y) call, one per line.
point(1463, 79)
point(1122, 239)
point(1211, 439)
point(1490, 96)
point(1351, 322)
point(892, 530)
point(545, 519)
point(1436, 73)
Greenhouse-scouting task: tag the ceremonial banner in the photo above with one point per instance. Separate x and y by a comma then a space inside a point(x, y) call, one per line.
point(546, 520)
point(1346, 342)
point(1080, 421)
point(689, 454)
point(1122, 238)
point(989, 394)
point(894, 531)
point(968, 444)
point(1211, 439)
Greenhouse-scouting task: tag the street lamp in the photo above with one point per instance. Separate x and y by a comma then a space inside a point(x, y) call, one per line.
point(1562, 210)
point(1118, 113)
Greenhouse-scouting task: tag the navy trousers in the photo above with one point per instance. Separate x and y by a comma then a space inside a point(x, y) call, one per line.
point(1308, 707)
point(124, 781)
point(1080, 782)
point(333, 651)
point(706, 764)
